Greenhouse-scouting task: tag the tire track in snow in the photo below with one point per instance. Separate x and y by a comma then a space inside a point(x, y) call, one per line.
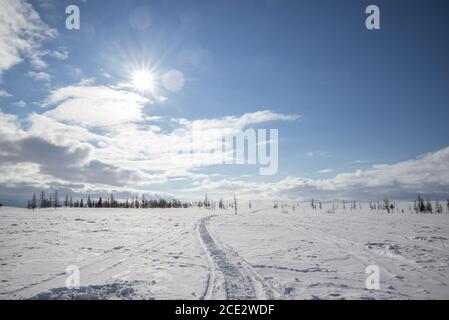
point(231, 277)
point(363, 255)
point(106, 262)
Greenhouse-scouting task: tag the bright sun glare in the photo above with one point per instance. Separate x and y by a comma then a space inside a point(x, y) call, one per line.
point(143, 80)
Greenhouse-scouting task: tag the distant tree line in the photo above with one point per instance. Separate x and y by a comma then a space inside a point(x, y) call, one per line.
point(214, 205)
point(52, 201)
point(420, 206)
point(426, 207)
point(44, 202)
point(112, 202)
point(388, 205)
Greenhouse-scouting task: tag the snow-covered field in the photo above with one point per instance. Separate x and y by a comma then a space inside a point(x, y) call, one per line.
point(263, 253)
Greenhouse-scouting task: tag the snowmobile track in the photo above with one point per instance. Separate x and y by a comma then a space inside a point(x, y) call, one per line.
point(231, 277)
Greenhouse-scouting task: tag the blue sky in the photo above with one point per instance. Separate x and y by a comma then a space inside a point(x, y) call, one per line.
point(365, 97)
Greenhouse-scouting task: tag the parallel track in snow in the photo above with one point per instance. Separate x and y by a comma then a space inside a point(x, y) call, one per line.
point(230, 276)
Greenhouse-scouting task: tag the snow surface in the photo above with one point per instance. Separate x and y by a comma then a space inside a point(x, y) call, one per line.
point(261, 253)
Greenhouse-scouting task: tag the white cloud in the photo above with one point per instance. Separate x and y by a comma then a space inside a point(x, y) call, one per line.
point(356, 162)
point(130, 138)
point(46, 4)
point(44, 153)
point(326, 171)
point(61, 147)
point(94, 106)
point(239, 123)
point(61, 134)
point(318, 154)
point(3, 93)
point(36, 60)
point(428, 174)
point(8, 125)
point(21, 34)
point(20, 104)
point(66, 152)
point(61, 54)
point(39, 76)
point(86, 81)
point(33, 149)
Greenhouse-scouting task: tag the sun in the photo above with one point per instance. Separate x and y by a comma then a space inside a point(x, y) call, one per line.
point(143, 80)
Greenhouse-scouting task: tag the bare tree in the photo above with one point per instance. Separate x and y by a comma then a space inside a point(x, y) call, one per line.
point(42, 200)
point(33, 202)
point(438, 207)
point(429, 207)
point(387, 204)
point(235, 204)
point(419, 205)
point(55, 200)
